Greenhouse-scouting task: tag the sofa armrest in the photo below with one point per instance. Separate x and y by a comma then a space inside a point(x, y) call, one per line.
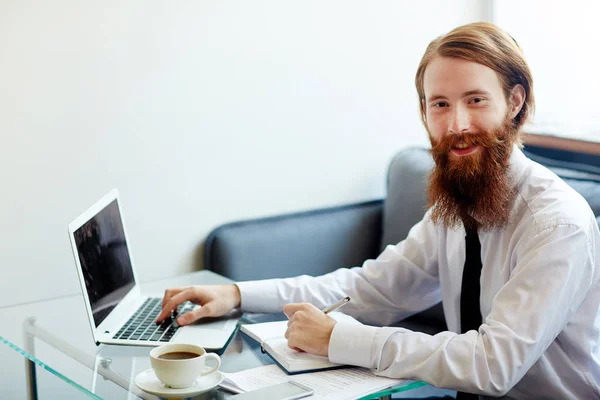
point(313, 243)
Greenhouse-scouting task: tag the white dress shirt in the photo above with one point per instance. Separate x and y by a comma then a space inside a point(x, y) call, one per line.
point(540, 297)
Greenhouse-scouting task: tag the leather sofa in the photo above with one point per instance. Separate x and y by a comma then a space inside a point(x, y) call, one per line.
point(320, 241)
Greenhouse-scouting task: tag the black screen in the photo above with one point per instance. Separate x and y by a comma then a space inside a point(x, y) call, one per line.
point(105, 261)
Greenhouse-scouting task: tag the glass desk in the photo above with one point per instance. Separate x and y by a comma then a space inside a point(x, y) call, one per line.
point(47, 351)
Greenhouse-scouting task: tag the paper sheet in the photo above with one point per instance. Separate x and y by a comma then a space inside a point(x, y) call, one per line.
point(348, 383)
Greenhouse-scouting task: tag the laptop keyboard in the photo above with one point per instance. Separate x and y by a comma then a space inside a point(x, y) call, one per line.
point(142, 325)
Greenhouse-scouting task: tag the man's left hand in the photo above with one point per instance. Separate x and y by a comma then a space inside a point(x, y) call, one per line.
point(309, 329)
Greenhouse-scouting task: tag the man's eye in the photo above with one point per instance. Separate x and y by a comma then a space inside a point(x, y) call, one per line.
point(477, 100)
point(441, 104)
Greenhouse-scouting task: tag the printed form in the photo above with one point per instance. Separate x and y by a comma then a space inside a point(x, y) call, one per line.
point(347, 383)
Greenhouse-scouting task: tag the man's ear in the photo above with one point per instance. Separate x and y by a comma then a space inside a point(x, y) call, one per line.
point(516, 100)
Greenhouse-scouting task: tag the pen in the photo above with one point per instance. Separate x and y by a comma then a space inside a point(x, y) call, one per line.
point(336, 305)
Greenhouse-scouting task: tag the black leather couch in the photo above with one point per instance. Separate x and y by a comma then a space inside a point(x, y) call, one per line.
point(320, 241)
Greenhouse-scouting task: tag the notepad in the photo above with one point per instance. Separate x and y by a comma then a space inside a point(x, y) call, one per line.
point(339, 384)
point(272, 339)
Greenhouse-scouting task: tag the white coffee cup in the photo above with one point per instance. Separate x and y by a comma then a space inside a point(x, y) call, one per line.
point(178, 365)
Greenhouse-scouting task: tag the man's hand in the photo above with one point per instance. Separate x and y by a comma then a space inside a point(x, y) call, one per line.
point(309, 329)
point(215, 301)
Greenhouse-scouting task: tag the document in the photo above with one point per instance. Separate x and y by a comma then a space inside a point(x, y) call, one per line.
point(272, 339)
point(338, 384)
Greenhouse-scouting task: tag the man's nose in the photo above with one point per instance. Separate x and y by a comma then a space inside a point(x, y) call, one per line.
point(460, 121)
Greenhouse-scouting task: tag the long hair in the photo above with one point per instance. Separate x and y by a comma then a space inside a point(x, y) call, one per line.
point(483, 43)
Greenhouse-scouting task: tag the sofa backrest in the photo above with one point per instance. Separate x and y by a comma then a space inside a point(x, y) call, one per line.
point(409, 170)
point(312, 242)
point(405, 202)
point(583, 178)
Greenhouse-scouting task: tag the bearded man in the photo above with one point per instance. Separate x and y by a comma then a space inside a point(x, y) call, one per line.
point(509, 248)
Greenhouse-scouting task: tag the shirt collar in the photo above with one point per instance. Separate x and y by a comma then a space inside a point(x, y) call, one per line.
point(517, 169)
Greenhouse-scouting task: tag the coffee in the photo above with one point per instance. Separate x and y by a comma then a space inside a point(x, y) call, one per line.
point(178, 365)
point(178, 355)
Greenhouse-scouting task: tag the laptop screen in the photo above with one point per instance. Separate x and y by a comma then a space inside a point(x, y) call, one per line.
point(105, 260)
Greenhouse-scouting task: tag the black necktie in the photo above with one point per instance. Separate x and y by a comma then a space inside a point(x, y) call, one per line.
point(470, 313)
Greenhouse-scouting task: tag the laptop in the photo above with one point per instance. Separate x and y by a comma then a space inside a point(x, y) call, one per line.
point(117, 311)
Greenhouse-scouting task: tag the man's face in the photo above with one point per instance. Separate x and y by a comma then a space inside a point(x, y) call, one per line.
point(462, 97)
point(471, 132)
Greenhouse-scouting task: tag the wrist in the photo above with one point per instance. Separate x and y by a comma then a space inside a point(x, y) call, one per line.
point(237, 296)
point(329, 333)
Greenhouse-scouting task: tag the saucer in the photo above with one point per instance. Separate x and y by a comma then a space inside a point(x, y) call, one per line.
point(148, 382)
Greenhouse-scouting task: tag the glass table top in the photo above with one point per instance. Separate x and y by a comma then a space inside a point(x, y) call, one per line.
point(47, 351)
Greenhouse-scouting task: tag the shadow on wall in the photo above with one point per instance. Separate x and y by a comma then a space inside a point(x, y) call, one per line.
point(198, 256)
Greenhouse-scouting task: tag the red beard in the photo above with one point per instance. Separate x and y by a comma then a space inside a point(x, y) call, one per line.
point(473, 189)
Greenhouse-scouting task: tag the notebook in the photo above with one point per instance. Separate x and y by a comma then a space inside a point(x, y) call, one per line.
point(118, 313)
point(271, 335)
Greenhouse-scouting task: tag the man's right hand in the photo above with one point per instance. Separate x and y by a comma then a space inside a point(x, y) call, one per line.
point(215, 301)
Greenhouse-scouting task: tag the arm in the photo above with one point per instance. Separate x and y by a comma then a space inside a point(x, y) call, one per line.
point(412, 264)
point(403, 280)
point(513, 336)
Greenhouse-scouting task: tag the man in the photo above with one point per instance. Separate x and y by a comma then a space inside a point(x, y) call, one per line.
point(520, 293)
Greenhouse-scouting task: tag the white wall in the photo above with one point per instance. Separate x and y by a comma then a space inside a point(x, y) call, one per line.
point(200, 113)
point(562, 52)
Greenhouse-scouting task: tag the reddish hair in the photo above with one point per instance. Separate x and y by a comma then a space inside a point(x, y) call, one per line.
point(483, 43)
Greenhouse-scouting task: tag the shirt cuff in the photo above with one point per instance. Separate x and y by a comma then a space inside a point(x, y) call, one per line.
point(259, 296)
point(351, 344)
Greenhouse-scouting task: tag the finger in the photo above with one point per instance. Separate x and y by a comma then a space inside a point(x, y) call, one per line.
point(163, 314)
point(173, 302)
point(170, 293)
point(194, 315)
point(287, 333)
point(293, 343)
point(292, 308)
